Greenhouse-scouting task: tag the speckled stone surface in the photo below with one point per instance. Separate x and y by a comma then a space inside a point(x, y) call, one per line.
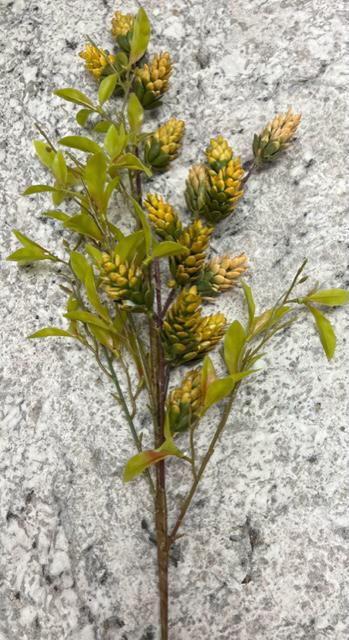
point(266, 551)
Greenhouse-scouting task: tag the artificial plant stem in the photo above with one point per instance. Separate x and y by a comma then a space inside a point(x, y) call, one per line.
point(128, 416)
point(159, 377)
point(186, 504)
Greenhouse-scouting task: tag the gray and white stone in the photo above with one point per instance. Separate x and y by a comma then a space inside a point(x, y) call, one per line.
point(266, 550)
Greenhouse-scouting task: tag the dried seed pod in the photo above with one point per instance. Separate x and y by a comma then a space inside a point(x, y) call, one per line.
point(220, 274)
point(164, 145)
point(97, 60)
point(187, 268)
point(165, 220)
point(185, 402)
point(124, 282)
point(275, 137)
point(187, 335)
point(152, 80)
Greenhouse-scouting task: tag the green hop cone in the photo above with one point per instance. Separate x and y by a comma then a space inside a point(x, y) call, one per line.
point(275, 137)
point(165, 221)
point(124, 283)
point(122, 29)
point(187, 268)
point(164, 145)
point(185, 402)
point(218, 153)
point(220, 274)
point(152, 80)
point(197, 185)
point(187, 335)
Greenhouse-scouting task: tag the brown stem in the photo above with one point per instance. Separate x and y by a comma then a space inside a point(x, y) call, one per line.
point(159, 371)
point(159, 378)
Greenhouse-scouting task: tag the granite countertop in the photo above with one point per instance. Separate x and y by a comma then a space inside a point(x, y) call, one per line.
point(266, 551)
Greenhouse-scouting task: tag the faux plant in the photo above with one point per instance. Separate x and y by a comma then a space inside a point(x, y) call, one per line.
point(136, 301)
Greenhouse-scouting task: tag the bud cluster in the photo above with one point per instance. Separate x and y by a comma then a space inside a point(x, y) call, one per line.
point(187, 335)
point(163, 146)
point(122, 29)
point(185, 402)
point(213, 191)
point(275, 137)
point(97, 60)
point(152, 80)
point(124, 281)
point(220, 274)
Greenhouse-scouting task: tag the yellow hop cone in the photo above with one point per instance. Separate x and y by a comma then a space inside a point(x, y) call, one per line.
point(96, 60)
point(275, 137)
point(124, 281)
point(152, 80)
point(122, 29)
point(218, 153)
point(187, 335)
point(163, 147)
point(197, 185)
point(187, 268)
point(185, 402)
point(165, 220)
point(224, 191)
point(220, 274)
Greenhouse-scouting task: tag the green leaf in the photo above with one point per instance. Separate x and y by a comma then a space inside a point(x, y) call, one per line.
point(44, 152)
point(38, 188)
point(91, 291)
point(234, 342)
point(325, 331)
point(208, 375)
point(116, 231)
point(56, 215)
point(111, 186)
point(94, 253)
point(145, 225)
point(115, 140)
point(95, 175)
point(79, 265)
point(250, 302)
point(221, 388)
point(31, 252)
point(59, 168)
point(27, 255)
point(51, 331)
point(168, 248)
point(141, 35)
point(107, 87)
point(330, 297)
point(129, 161)
point(268, 319)
point(101, 126)
point(82, 143)
point(104, 337)
point(82, 223)
point(82, 116)
point(135, 113)
point(142, 461)
point(88, 318)
point(128, 246)
point(74, 95)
